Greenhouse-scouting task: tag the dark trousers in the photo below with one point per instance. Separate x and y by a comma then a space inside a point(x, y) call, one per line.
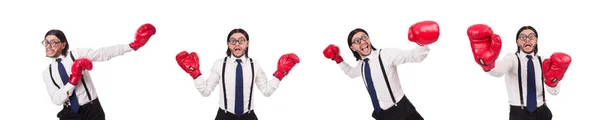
point(404, 110)
point(540, 113)
point(90, 111)
point(222, 115)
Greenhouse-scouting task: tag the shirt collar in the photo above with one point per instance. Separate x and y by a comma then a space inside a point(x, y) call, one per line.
point(524, 55)
point(53, 60)
point(232, 59)
point(371, 55)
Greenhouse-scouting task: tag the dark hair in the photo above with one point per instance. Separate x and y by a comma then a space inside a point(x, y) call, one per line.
point(61, 36)
point(535, 50)
point(352, 33)
point(238, 30)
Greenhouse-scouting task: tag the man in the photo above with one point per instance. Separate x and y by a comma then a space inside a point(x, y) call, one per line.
point(77, 92)
point(237, 74)
point(389, 101)
point(525, 72)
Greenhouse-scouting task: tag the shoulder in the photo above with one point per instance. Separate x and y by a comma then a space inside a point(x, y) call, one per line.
point(510, 55)
point(253, 61)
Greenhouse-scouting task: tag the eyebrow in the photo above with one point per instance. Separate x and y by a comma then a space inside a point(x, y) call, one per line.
point(52, 40)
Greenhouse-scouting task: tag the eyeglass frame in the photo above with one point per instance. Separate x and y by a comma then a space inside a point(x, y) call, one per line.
point(240, 40)
point(360, 39)
point(52, 44)
point(531, 36)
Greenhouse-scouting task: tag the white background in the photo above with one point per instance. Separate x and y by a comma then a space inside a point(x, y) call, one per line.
point(148, 84)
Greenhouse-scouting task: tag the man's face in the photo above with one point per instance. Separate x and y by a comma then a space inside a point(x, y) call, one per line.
point(361, 43)
point(527, 41)
point(238, 44)
point(53, 46)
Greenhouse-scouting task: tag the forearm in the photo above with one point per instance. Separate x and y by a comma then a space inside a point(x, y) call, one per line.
point(104, 53)
point(60, 95)
point(268, 87)
point(553, 90)
point(349, 70)
point(418, 54)
point(203, 87)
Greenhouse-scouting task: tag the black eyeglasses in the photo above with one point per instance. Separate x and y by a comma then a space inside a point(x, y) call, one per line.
point(46, 43)
point(240, 40)
point(530, 37)
point(357, 40)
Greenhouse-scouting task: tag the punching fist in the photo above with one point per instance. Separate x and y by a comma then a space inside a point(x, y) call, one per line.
point(142, 36)
point(189, 63)
point(285, 64)
point(485, 45)
point(424, 32)
point(333, 52)
point(77, 69)
point(555, 67)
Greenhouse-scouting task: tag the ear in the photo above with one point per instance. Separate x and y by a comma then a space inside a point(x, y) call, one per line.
point(62, 45)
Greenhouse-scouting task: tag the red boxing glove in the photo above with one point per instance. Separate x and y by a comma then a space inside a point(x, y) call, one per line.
point(424, 32)
point(189, 63)
point(485, 45)
point(555, 68)
point(333, 52)
point(142, 36)
point(77, 69)
point(285, 64)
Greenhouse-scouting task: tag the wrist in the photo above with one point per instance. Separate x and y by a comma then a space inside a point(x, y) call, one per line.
point(279, 74)
point(195, 74)
point(338, 59)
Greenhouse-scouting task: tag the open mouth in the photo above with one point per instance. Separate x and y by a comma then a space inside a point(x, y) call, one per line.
point(364, 47)
point(527, 45)
point(237, 49)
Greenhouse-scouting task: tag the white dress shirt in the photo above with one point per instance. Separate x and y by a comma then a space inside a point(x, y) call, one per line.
point(60, 96)
point(508, 66)
point(267, 87)
point(391, 58)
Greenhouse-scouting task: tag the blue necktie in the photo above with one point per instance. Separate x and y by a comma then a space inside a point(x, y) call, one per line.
point(239, 89)
point(65, 78)
point(531, 94)
point(371, 87)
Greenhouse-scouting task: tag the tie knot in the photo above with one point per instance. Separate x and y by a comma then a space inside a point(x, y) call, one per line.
point(238, 60)
point(366, 60)
point(58, 59)
point(528, 56)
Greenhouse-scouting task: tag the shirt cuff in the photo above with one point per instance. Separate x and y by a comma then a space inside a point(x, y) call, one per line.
point(275, 81)
point(69, 88)
point(127, 48)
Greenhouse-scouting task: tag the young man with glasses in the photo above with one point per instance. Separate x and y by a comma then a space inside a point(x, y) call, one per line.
point(377, 67)
point(75, 90)
point(237, 73)
point(525, 72)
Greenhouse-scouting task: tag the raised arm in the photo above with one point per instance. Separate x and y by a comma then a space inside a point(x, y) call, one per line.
point(142, 36)
point(554, 69)
point(503, 65)
point(398, 56)
point(423, 33)
point(333, 52)
point(190, 63)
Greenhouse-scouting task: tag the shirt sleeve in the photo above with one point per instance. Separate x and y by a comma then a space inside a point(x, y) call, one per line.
point(352, 72)
point(102, 54)
point(266, 86)
point(58, 96)
point(503, 65)
point(399, 56)
point(205, 87)
point(553, 90)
